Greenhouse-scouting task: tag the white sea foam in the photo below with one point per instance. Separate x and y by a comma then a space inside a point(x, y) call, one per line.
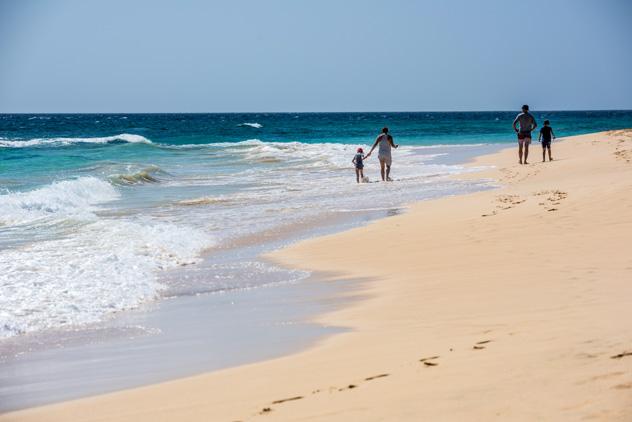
point(312, 155)
point(109, 266)
point(65, 199)
point(27, 143)
point(287, 183)
point(225, 192)
point(255, 125)
point(97, 267)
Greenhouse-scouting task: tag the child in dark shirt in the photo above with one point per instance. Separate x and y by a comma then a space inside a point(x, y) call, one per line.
point(546, 135)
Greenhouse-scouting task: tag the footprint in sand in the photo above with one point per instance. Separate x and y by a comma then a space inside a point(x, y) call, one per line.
point(621, 355)
point(479, 344)
point(288, 399)
point(623, 386)
point(621, 152)
point(428, 361)
point(510, 199)
point(624, 154)
point(348, 387)
point(552, 197)
point(505, 202)
point(376, 377)
point(557, 195)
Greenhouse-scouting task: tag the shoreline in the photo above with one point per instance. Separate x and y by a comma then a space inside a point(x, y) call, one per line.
point(128, 344)
point(151, 327)
point(488, 350)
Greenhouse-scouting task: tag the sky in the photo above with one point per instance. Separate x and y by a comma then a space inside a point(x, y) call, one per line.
point(314, 55)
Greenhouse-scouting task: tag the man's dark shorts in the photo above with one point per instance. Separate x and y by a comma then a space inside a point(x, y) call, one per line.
point(524, 138)
point(546, 144)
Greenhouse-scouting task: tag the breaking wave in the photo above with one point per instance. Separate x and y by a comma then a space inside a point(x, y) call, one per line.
point(65, 199)
point(108, 266)
point(146, 175)
point(60, 142)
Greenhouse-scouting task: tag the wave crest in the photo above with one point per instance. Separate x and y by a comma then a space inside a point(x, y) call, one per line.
point(41, 142)
point(74, 198)
point(146, 175)
point(254, 125)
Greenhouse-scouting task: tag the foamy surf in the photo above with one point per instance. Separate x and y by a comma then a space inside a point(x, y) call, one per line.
point(28, 143)
point(93, 267)
point(76, 199)
point(108, 266)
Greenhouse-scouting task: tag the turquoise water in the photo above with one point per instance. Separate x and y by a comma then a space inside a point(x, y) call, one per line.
point(97, 210)
point(29, 166)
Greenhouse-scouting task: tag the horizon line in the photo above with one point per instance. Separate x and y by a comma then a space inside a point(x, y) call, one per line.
point(312, 112)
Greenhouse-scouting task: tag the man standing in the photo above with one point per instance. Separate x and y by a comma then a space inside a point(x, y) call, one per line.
point(523, 125)
point(385, 141)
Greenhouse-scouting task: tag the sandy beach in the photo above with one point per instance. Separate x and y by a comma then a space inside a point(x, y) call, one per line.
point(513, 303)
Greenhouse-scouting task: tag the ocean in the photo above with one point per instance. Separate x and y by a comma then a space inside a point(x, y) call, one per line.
point(102, 213)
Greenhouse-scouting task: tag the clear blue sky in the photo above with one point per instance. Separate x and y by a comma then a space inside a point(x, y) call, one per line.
point(320, 55)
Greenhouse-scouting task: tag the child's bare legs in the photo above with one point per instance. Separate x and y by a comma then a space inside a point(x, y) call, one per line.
point(358, 173)
point(544, 149)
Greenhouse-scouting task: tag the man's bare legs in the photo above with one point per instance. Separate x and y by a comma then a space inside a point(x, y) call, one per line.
point(523, 150)
point(549, 148)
